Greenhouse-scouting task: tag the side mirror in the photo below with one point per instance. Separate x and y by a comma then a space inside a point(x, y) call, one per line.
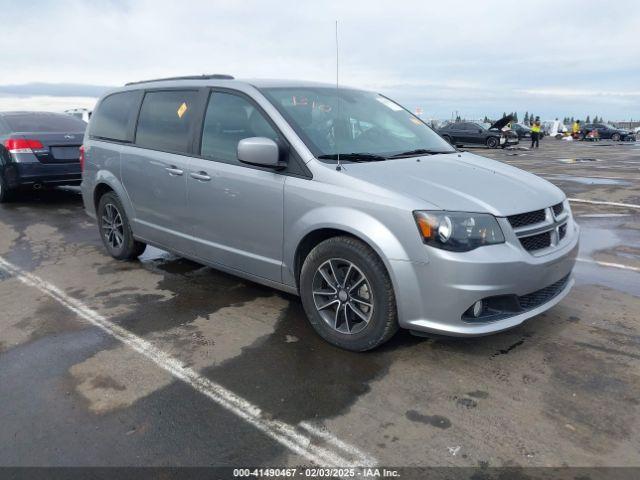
point(260, 151)
point(479, 130)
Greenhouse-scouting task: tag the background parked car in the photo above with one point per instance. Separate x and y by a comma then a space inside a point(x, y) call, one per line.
point(555, 129)
point(521, 130)
point(39, 148)
point(472, 133)
point(81, 113)
point(607, 132)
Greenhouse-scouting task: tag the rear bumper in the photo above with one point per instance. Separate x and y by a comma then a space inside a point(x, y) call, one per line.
point(19, 174)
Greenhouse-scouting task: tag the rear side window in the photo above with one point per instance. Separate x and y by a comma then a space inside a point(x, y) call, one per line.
point(229, 119)
point(44, 122)
point(114, 116)
point(166, 120)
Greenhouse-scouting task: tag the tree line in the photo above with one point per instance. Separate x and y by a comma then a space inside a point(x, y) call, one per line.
point(529, 118)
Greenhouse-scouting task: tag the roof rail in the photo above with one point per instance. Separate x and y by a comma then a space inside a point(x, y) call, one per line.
point(215, 76)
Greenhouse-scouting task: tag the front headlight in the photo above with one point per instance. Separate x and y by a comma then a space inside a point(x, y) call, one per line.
point(458, 231)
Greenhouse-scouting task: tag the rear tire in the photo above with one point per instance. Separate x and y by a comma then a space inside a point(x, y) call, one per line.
point(357, 310)
point(115, 230)
point(446, 138)
point(5, 193)
point(493, 142)
point(615, 137)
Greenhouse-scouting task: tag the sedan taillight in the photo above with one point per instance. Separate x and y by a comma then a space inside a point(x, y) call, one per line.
point(20, 145)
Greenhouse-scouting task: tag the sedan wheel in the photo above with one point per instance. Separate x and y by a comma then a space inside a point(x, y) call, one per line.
point(615, 137)
point(492, 142)
point(4, 190)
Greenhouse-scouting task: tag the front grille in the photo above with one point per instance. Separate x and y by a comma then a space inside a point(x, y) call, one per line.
point(536, 242)
point(539, 297)
point(562, 231)
point(529, 218)
point(557, 209)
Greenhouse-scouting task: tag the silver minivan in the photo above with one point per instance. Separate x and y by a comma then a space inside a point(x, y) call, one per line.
point(340, 196)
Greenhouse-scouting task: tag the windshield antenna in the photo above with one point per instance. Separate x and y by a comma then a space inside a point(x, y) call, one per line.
point(339, 166)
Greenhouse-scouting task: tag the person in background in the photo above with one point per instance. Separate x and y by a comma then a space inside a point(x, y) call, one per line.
point(575, 129)
point(535, 133)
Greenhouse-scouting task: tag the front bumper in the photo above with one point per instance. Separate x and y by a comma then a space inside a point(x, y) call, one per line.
point(433, 296)
point(19, 174)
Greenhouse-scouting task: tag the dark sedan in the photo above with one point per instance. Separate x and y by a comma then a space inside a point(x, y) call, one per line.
point(471, 133)
point(521, 130)
point(606, 132)
point(37, 149)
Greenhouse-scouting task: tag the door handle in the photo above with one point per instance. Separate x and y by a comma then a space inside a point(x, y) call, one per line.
point(173, 170)
point(202, 176)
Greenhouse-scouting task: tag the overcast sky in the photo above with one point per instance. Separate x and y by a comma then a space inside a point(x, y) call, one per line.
point(478, 57)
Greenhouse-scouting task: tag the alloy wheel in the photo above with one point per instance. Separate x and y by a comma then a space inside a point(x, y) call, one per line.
point(343, 296)
point(112, 226)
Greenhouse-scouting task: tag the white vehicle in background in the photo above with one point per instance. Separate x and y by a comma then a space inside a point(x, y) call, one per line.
point(81, 113)
point(555, 128)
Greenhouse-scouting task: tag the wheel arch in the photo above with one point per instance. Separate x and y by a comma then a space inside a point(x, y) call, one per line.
point(363, 227)
point(310, 241)
point(105, 182)
point(98, 193)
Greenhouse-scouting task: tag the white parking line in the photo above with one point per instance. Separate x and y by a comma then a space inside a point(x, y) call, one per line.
point(335, 452)
point(598, 202)
point(561, 176)
point(609, 264)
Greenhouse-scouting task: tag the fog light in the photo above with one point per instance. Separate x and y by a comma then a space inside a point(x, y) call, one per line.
point(477, 308)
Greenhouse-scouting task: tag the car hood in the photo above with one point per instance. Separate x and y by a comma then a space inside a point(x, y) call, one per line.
point(461, 182)
point(500, 124)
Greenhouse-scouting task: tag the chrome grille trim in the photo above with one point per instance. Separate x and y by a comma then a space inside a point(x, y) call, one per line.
point(541, 230)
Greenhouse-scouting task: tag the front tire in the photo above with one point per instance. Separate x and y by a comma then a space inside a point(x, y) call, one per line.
point(446, 138)
point(615, 137)
point(347, 294)
point(492, 142)
point(115, 230)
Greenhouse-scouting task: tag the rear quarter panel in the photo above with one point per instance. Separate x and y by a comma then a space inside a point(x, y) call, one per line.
point(102, 166)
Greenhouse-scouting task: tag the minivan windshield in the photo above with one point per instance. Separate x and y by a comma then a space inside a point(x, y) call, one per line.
point(358, 125)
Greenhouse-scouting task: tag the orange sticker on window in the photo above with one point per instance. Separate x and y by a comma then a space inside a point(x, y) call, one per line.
point(181, 109)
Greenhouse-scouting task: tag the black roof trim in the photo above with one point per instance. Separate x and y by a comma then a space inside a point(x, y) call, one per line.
point(215, 76)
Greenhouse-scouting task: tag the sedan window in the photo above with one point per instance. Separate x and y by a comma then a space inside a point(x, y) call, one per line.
point(44, 122)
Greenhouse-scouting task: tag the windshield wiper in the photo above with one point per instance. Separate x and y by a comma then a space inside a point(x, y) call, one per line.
point(354, 157)
point(419, 151)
